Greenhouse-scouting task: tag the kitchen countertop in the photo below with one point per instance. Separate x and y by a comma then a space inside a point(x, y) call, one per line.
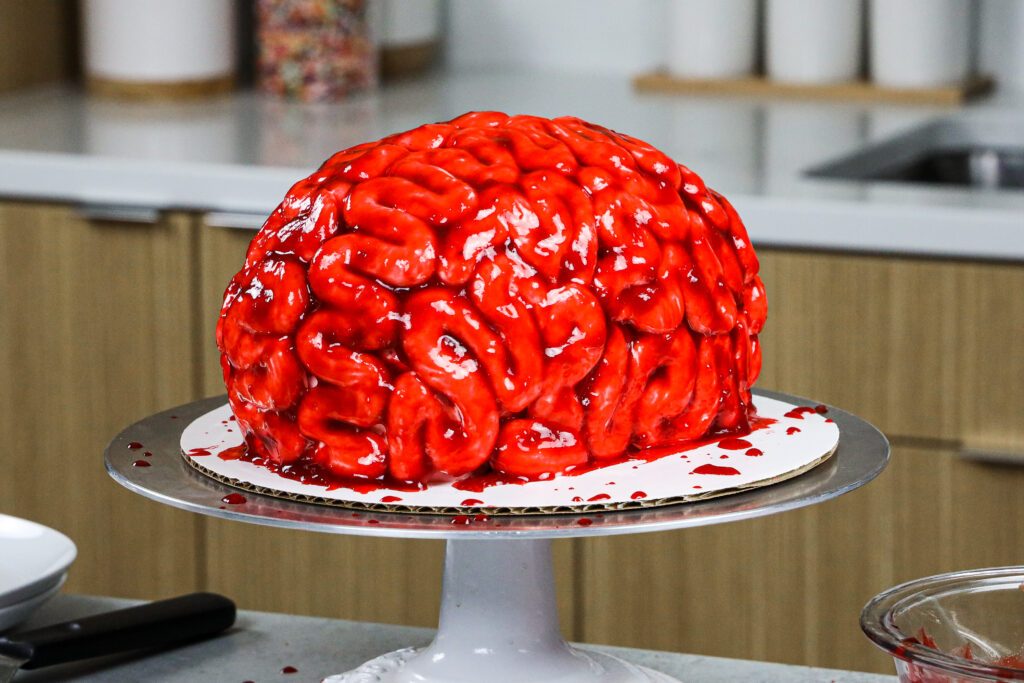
point(236, 155)
point(261, 645)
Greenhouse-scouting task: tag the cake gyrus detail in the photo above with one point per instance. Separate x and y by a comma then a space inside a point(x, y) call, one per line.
point(512, 294)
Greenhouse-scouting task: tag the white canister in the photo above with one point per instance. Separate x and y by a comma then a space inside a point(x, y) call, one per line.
point(921, 43)
point(712, 38)
point(813, 41)
point(158, 43)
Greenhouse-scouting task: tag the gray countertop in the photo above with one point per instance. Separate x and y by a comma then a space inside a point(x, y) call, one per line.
point(261, 645)
point(237, 155)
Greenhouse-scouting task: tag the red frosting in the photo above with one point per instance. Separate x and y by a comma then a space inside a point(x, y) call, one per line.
point(521, 294)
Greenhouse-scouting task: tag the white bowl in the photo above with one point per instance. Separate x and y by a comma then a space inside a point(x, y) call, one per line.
point(33, 558)
point(12, 615)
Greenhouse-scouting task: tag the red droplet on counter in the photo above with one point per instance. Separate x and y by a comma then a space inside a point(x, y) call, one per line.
point(289, 670)
point(733, 444)
point(792, 430)
point(637, 495)
point(233, 499)
point(481, 518)
point(754, 452)
point(600, 496)
point(390, 499)
point(373, 521)
point(585, 521)
point(798, 413)
point(148, 454)
point(140, 463)
point(134, 445)
point(820, 409)
point(461, 519)
point(715, 469)
point(470, 502)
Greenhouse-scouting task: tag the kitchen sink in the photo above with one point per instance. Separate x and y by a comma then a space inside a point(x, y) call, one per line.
point(963, 153)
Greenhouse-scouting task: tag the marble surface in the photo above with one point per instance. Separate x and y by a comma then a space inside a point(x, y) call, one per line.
point(261, 645)
point(237, 155)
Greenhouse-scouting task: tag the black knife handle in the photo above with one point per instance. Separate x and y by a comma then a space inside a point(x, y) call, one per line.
point(155, 624)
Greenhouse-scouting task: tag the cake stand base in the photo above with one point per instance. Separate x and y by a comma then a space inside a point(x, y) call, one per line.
point(499, 623)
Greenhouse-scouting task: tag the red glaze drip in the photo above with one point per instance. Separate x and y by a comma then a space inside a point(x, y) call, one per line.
point(798, 413)
point(470, 502)
point(754, 452)
point(148, 454)
point(233, 499)
point(481, 518)
point(134, 446)
point(200, 451)
point(289, 670)
point(461, 519)
point(820, 409)
point(792, 430)
point(734, 444)
point(140, 463)
point(493, 295)
point(233, 453)
point(637, 495)
point(600, 496)
point(584, 521)
point(715, 469)
point(390, 499)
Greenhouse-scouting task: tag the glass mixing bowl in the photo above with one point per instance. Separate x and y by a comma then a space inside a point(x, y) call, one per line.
point(963, 627)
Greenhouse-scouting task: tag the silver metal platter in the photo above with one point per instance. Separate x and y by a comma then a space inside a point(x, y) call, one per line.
point(146, 459)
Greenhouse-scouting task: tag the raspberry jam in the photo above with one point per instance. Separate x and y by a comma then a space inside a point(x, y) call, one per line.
point(510, 295)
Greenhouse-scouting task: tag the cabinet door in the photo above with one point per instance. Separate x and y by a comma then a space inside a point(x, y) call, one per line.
point(372, 579)
point(95, 333)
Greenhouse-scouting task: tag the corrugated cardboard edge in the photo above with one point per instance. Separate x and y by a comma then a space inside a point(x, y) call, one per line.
point(536, 510)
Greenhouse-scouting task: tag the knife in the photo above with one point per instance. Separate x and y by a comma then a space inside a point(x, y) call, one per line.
point(161, 623)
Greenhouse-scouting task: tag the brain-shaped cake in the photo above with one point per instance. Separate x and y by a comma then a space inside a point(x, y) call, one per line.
point(512, 294)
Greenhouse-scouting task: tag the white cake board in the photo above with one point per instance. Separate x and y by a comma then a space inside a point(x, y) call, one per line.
point(796, 440)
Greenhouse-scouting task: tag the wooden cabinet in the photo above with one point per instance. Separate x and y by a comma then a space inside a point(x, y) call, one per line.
point(104, 323)
point(931, 352)
point(96, 332)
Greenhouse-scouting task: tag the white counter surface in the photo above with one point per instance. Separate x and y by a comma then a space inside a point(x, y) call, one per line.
point(238, 154)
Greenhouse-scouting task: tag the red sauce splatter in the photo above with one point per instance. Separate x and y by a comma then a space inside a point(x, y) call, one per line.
point(390, 499)
point(481, 518)
point(233, 499)
point(637, 495)
point(140, 463)
point(584, 521)
point(734, 444)
point(289, 670)
point(600, 496)
point(134, 445)
point(820, 409)
point(233, 453)
point(792, 430)
point(200, 451)
point(577, 499)
point(470, 502)
point(754, 452)
point(715, 469)
point(373, 521)
point(148, 454)
point(461, 519)
point(830, 421)
point(798, 413)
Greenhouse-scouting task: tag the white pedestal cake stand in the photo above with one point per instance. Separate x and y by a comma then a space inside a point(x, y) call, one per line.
point(498, 620)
